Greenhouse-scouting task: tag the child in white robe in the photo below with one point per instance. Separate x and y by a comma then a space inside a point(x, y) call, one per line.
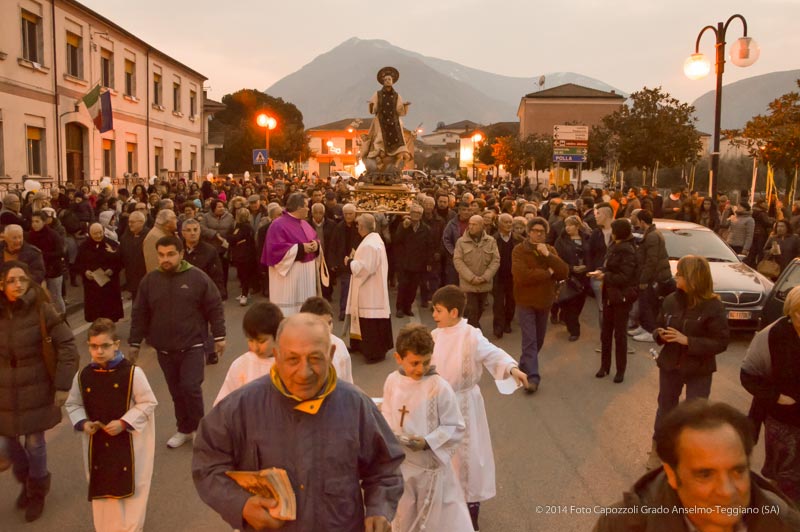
point(460, 354)
point(260, 325)
point(123, 511)
point(422, 411)
point(341, 361)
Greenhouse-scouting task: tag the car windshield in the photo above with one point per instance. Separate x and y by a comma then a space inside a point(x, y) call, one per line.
point(707, 244)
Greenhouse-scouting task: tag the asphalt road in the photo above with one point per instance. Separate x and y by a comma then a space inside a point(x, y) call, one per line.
point(575, 444)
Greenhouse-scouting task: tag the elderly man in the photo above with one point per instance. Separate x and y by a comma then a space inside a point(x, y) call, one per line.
point(368, 298)
point(706, 483)
point(14, 247)
point(344, 239)
point(324, 228)
point(10, 213)
point(217, 226)
point(413, 248)
point(535, 269)
point(131, 247)
point(290, 252)
point(454, 229)
point(503, 285)
point(166, 224)
point(476, 260)
point(340, 455)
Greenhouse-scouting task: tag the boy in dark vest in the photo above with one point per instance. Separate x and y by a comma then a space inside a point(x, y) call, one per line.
point(112, 404)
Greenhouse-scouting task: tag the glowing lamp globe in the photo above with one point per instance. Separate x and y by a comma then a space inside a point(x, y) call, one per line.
point(696, 66)
point(744, 52)
point(266, 121)
point(477, 137)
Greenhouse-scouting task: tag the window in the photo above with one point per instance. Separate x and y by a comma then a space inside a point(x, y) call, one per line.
point(74, 56)
point(36, 152)
point(130, 78)
point(157, 89)
point(131, 157)
point(193, 162)
point(178, 160)
point(108, 157)
point(348, 145)
point(192, 103)
point(159, 158)
point(324, 146)
point(176, 97)
point(107, 68)
point(31, 37)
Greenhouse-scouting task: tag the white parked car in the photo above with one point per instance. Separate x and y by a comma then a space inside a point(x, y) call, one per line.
point(336, 175)
point(414, 174)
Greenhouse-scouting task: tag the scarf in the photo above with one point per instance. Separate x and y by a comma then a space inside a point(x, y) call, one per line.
point(308, 406)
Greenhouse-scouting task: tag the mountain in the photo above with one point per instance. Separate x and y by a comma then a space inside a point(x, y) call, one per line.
point(340, 82)
point(744, 99)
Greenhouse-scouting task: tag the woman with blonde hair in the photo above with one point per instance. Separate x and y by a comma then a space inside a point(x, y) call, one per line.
point(771, 373)
point(693, 329)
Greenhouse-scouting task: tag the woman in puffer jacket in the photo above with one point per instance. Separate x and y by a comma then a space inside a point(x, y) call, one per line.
point(693, 328)
point(30, 398)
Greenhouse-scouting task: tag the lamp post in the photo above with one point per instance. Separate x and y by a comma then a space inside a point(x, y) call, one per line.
point(743, 53)
point(268, 123)
point(476, 138)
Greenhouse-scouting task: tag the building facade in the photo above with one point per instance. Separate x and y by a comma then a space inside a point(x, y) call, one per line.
point(336, 146)
point(539, 111)
point(52, 53)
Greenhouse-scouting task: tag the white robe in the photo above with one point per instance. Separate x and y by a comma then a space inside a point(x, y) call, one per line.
point(369, 289)
point(244, 369)
point(128, 514)
point(460, 353)
point(341, 360)
point(292, 282)
point(432, 499)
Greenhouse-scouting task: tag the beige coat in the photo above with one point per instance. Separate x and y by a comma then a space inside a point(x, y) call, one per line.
point(476, 259)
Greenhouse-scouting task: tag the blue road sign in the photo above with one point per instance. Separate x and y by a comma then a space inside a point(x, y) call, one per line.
point(260, 156)
point(569, 158)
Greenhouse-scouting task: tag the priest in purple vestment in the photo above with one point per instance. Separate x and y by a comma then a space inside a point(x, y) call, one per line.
point(290, 253)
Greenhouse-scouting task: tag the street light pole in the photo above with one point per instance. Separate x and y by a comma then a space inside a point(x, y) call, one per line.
point(744, 52)
point(268, 123)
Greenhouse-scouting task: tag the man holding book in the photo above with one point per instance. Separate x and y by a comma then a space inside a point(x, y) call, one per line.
point(327, 436)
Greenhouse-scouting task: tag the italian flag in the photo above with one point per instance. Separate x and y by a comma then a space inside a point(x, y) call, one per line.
point(99, 107)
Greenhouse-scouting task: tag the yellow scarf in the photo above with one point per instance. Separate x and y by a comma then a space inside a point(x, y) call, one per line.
point(310, 406)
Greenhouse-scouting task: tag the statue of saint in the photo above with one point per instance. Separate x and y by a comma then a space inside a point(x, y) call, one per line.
point(386, 146)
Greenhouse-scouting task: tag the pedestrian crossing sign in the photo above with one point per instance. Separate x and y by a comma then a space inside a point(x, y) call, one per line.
point(260, 156)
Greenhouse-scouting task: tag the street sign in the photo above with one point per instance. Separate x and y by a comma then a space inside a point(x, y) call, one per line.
point(561, 132)
point(570, 143)
point(260, 157)
point(569, 158)
point(570, 151)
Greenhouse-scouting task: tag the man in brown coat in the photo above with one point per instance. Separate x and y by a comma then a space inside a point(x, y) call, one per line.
point(535, 268)
point(476, 260)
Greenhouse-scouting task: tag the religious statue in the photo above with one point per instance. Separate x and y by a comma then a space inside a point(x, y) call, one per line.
point(385, 148)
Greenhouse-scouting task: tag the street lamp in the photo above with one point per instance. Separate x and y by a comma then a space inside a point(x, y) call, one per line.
point(268, 123)
point(476, 138)
point(743, 53)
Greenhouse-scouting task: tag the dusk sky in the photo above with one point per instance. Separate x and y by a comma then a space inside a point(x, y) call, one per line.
point(625, 43)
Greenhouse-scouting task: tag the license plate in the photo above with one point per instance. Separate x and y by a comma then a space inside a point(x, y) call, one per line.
point(734, 315)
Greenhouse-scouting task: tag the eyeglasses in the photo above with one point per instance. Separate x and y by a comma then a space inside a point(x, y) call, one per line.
point(539, 231)
point(18, 280)
point(97, 347)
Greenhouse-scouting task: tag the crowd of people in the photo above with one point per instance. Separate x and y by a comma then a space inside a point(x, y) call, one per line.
point(539, 252)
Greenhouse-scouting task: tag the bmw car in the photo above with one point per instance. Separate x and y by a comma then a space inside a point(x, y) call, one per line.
point(743, 290)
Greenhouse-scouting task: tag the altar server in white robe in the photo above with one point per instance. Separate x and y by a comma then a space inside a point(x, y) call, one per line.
point(112, 403)
point(290, 252)
point(460, 355)
point(260, 326)
point(422, 410)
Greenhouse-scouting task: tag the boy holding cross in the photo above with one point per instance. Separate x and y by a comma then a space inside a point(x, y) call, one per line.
point(422, 411)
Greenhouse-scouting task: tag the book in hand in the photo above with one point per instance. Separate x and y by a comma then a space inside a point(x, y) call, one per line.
point(271, 483)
